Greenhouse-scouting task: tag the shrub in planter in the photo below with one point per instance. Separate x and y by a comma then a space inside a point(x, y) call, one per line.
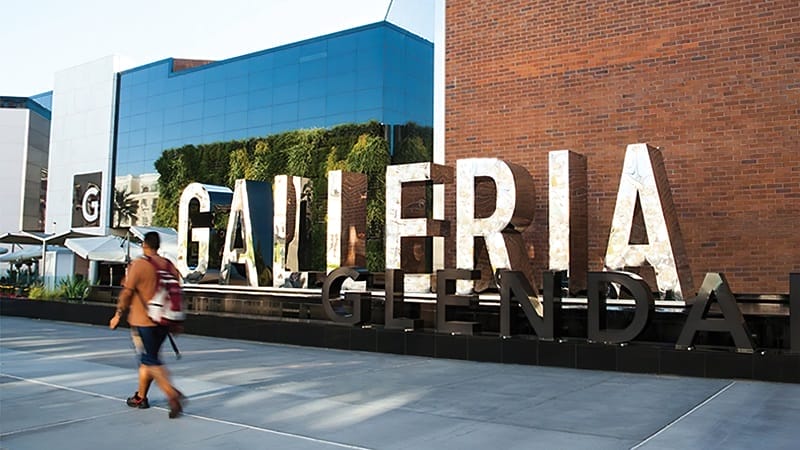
point(74, 288)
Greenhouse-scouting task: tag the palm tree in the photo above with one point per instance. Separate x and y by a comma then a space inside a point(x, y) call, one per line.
point(124, 207)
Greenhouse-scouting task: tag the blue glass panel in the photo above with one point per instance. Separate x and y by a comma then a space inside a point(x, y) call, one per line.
point(125, 95)
point(287, 56)
point(338, 119)
point(158, 71)
point(285, 75)
point(369, 78)
point(259, 99)
point(213, 124)
point(369, 99)
point(260, 80)
point(136, 77)
point(191, 128)
point(173, 115)
point(172, 131)
point(341, 103)
point(214, 89)
point(213, 74)
point(137, 122)
point(258, 131)
point(136, 153)
point(235, 135)
point(369, 114)
point(236, 121)
point(284, 113)
point(260, 63)
point(136, 137)
point(173, 143)
point(213, 107)
point(313, 48)
point(371, 39)
point(140, 167)
point(193, 94)
point(193, 111)
point(236, 85)
point(285, 94)
point(236, 103)
point(123, 169)
point(213, 137)
point(157, 87)
point(314, 107)
point(138, 105)
point(341, 83)
point(312, 88)
point(152, 152)
point(124, 109)
point(172, 99)
point(155, 102)
point(154, 119)
point(311, 122)
point(342, 44)
point(313, 69)
point(394, 98)
point(394, 45)
point(123, 139)
point(153, 135)
point(234, 69)
point(342, 63)
point(259, 117)
point(124, 125)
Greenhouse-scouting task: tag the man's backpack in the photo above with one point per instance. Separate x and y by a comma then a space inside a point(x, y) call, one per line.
point(166, 306)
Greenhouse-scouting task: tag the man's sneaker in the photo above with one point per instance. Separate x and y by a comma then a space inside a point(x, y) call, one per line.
point(138, 402)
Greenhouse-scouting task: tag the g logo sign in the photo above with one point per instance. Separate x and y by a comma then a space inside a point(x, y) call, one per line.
point(90, 204)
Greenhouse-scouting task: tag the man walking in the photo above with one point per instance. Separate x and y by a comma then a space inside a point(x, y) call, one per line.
point(139, 286)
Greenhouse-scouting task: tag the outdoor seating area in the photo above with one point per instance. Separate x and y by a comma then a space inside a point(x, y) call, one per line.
point(42, 265)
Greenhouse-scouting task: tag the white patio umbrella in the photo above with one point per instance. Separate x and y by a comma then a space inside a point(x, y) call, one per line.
point(105, 248)
point(24, 254)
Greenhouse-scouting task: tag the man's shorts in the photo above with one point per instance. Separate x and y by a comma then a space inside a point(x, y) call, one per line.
point(149, 343)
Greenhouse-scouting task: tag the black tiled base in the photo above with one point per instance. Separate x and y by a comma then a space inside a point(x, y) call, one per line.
point(770, 365)
point(596, 357)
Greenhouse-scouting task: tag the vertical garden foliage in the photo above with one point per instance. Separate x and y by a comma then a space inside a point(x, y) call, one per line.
point(307, 153)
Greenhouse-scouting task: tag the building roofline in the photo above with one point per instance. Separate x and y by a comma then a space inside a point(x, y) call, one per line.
point(275, 49)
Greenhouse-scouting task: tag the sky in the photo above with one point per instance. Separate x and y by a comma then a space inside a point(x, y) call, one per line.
point(41, 37)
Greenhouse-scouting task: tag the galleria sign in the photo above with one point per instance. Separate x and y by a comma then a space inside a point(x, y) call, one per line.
point(263, 232)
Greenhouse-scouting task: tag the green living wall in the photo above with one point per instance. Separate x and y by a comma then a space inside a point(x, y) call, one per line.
point(362, 148)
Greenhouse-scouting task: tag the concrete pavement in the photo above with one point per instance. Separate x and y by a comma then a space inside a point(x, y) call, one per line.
point(64, 386)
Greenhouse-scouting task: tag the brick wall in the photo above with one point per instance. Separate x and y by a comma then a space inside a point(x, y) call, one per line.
point(714, 84)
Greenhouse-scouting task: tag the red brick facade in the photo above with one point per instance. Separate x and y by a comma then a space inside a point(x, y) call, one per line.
point(714, 84)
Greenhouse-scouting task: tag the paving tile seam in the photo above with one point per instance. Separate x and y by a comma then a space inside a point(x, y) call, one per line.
point(684, 415)
point(194, 416)
point(55, 425)
point(64, 422)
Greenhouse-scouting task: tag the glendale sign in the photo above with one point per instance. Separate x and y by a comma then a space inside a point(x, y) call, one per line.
point(266, 221)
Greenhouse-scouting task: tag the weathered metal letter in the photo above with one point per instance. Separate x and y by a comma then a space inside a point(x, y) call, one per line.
point(250, 218)
point(398, 227)
point(504, 225)
point(288, 194)
point(643, 299)
point(208, 196)
point(732, 320)
point(360, 301)
point(644, 178)
point(347, 219)
point(568, 217)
